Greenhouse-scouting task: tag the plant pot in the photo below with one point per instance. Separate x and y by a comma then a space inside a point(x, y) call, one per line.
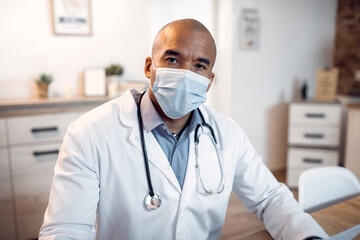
point(42, 89)
point(112, 85)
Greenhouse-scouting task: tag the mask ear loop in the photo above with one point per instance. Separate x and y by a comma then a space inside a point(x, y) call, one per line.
point(153, 64)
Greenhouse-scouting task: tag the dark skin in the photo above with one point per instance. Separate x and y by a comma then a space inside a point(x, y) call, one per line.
point(183, 44)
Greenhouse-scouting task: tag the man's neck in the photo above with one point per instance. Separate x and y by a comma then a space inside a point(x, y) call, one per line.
point(174, 125)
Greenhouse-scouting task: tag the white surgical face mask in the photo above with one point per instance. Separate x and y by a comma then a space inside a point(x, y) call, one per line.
point(179, 91)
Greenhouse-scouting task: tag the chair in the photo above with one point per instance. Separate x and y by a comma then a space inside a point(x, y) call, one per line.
point(324, 186)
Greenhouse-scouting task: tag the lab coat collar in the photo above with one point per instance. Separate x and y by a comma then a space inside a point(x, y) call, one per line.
point(150, 116)
point(128, 110)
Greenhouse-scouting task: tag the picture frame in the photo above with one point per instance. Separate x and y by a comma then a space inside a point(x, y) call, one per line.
point(94, 82)
point(249, 28)
point(326, 84)
point(71, 17)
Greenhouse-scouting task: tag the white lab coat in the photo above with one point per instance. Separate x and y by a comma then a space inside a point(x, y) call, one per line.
point(100, 177)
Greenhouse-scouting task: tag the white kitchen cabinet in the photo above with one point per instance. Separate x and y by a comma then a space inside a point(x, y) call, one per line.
point(3, 138)
point(33, 169)
point(7, 220)
point(33, 158)
point(31, 134)
point(313, 138)
point(39, 128)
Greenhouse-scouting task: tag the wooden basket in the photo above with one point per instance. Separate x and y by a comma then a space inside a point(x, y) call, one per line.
point(42, 89)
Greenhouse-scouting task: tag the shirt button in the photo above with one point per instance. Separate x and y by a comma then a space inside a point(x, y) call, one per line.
point(164, 127)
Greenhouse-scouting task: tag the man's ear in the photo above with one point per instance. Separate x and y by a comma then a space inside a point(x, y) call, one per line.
point(211, 81)
point(148, 62)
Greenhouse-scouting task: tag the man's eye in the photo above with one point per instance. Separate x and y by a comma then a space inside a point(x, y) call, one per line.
point(172, 60)
point(200, 66)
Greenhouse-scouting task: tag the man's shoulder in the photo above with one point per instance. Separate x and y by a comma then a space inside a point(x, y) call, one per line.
point(224, 124)
point(100, 113)
point(104, 115)
point(219, 118)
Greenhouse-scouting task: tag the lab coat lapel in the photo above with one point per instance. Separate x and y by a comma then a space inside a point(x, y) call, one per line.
point(128, 116)
point(158, 158)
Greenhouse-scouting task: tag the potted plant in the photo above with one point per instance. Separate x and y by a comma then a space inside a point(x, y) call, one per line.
point(43, 82)
point(113, 73)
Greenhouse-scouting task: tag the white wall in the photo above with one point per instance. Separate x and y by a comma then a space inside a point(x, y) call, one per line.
point(296, 38)
point(123, 32)
point(162, 12)
point(28, 47)
point(254, 87)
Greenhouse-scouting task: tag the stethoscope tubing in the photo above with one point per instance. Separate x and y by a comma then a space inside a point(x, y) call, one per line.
point(146, 160)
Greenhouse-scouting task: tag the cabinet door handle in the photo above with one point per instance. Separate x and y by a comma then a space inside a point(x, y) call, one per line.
point(45, 129)
point(313, 160)
point(314, 135)
point(315, 115)
point(42, 153)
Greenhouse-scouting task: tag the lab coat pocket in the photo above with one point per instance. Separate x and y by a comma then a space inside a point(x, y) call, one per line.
point(214, 181)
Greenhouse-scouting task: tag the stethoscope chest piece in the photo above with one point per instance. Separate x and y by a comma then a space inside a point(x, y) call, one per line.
point(152, 202)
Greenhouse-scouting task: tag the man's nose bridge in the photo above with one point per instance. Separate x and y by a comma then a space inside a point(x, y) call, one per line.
point(187, 65)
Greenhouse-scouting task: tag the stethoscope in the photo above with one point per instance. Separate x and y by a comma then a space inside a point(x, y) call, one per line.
point(152, 200)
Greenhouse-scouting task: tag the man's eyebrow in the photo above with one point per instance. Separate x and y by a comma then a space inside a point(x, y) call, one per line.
point(171, 52)
point(204, 60)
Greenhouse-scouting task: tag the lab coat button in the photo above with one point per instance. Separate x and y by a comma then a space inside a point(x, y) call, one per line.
point(168, 166)
point(137, 138)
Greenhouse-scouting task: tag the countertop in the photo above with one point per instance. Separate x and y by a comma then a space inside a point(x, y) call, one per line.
point(18, 107)
point(354, 105)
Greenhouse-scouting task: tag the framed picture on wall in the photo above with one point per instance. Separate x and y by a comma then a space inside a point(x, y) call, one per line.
point(249, 29)
point(71, 17)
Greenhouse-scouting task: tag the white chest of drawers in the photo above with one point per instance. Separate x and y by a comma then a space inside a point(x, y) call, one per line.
point(313, 138)
point(352, 149)
point(30, 139)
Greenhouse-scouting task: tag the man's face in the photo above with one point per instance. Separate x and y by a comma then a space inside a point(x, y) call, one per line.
point(180, 48)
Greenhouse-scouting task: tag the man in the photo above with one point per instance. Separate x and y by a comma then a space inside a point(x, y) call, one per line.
point(156, 182)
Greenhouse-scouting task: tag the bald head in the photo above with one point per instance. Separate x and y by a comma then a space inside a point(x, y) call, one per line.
point(184, 44)
point(183, 29)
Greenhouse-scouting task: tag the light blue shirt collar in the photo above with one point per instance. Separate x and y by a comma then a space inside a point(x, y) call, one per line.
point(151, 118)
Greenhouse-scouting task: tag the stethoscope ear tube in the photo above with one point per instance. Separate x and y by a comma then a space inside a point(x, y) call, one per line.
point(203, 124)
point(146, 161)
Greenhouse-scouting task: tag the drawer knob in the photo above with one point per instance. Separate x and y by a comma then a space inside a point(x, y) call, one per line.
point(45, 129)
point(314, 135)
point(42, 153)
point(315, 115)
point(313, 160)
